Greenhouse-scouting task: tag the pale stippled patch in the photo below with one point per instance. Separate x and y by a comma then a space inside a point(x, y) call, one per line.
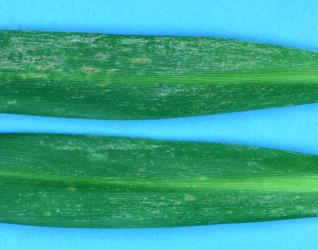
point(47, 213)
point(71, 188)
point(89, 69)
point(140, 60)
point(189, 197)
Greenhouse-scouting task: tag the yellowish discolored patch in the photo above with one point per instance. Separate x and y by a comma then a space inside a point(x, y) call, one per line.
point(189, 197)
point(71, 189)
point(103, 84)
point(101, 56)
point(89, 69)
point(140, 60)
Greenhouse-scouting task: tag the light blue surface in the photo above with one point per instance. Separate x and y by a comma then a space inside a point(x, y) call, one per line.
point(292, 23)
point(280, 235)
point(281, 128)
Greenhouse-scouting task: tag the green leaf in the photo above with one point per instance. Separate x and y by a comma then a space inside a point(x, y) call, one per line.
point(90, 181)
point(147, 77)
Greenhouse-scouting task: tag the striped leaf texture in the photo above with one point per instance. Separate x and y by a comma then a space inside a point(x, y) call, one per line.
point(89, 181)
point(148, 77)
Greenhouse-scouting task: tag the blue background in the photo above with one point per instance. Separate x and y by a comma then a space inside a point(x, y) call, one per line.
point(291, 23)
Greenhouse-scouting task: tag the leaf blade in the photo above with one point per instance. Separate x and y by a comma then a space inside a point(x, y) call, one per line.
point(89, 181)
point(143, 77)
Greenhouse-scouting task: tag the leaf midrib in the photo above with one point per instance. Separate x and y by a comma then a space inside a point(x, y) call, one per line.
point(298, 184)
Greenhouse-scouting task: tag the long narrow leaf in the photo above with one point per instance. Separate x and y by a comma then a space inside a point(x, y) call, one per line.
point(146, 77)
point(88, 181)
